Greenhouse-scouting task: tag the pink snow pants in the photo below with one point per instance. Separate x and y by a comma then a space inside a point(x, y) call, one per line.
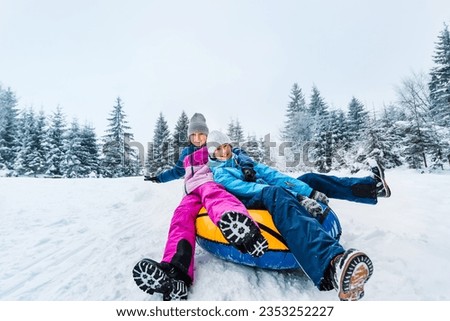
point(217, 201)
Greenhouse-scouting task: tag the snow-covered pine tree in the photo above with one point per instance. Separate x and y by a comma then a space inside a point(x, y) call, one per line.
point(297, 133)
point(357, 120)
point(339, 138)
point(37, 157)
point(415, 142)
point(439, 85)
point(119, 158)
point(357, 126)
point(24, 145)
point(254, 148)
point(158, 152)
point(71, 164)
point(235, 132)
point(413, 96)
point(296, 105)
point(55, 144)
point(303, 126)
point(89, 151)
point(180, 139)
point(317, 105)
point(340, 128)
point(322, 134)
point(8, 128)
point(384, 137)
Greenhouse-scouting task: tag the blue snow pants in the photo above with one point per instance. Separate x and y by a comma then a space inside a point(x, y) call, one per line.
point(354, 189)
point(310, 244)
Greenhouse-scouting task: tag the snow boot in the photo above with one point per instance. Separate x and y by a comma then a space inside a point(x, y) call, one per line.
point(241, 232)
point(164, 278)
point(351, 270)
point(383, 189)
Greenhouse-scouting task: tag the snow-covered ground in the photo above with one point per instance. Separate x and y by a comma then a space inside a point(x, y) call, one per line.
point(79, 239)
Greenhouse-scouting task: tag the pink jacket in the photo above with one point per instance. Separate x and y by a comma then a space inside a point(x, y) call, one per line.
point(197, 170)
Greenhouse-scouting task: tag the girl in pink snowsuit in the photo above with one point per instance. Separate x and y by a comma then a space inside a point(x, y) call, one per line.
point(175, 272)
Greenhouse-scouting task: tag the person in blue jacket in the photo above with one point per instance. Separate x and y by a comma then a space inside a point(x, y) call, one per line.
point(294, 207)
point(318, 187)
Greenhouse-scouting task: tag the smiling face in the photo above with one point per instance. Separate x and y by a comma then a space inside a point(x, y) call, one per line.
point(198, 139)
point(223, 152)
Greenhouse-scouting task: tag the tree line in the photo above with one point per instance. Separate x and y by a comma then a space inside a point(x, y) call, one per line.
point(34, 144)
point(413, 131)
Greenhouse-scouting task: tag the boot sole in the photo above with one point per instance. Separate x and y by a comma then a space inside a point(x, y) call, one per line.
point(150, 278)
point(357, 271)
point(387, 190)
point(259, 247)
point(237, 228)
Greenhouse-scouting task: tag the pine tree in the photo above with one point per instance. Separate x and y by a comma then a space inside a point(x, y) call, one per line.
point(89, 151)
point(317, 106)
point(71, 166)
point(339, 137)
point(303, 130)
point(295, 106)
point(439, 84)
point(419, 138)
point(235, 132)
point(158, 153)
point(37, 156)
point(357, 120)
point(254, 148)
point(180, 138)
point(415, 142)
point(340, 128)
point(55, 144)
point(385, 136)
point(321, 132)
point(24, 144)
point(298, 127)
point(119, 158)
point(8, 128)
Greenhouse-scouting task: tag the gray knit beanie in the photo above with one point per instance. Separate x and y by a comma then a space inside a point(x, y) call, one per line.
point(197, 124)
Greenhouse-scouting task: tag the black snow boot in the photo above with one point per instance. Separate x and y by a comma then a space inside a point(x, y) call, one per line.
point(383, 189)
point(164, 278)
point(241, 232)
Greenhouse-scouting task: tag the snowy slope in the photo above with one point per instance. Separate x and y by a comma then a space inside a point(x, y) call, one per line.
point(78, 239)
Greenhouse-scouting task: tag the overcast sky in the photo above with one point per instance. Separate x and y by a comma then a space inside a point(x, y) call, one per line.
point(233, 59)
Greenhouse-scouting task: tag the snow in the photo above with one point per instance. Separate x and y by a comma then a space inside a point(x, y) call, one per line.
point(78, 239)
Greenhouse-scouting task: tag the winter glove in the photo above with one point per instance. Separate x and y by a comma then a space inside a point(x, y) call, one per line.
point(249, 174)
point(319, 196)
point(152, 179)
point(313, 208)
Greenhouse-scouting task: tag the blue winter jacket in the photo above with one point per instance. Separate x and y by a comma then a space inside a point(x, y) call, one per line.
point(229, 174)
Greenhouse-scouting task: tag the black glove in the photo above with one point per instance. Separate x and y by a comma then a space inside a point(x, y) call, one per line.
point(319, 196)
point(249, 174)
point(152, 179)
point(313, 208)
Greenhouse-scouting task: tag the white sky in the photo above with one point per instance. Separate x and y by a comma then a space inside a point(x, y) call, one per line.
point(226, 59)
